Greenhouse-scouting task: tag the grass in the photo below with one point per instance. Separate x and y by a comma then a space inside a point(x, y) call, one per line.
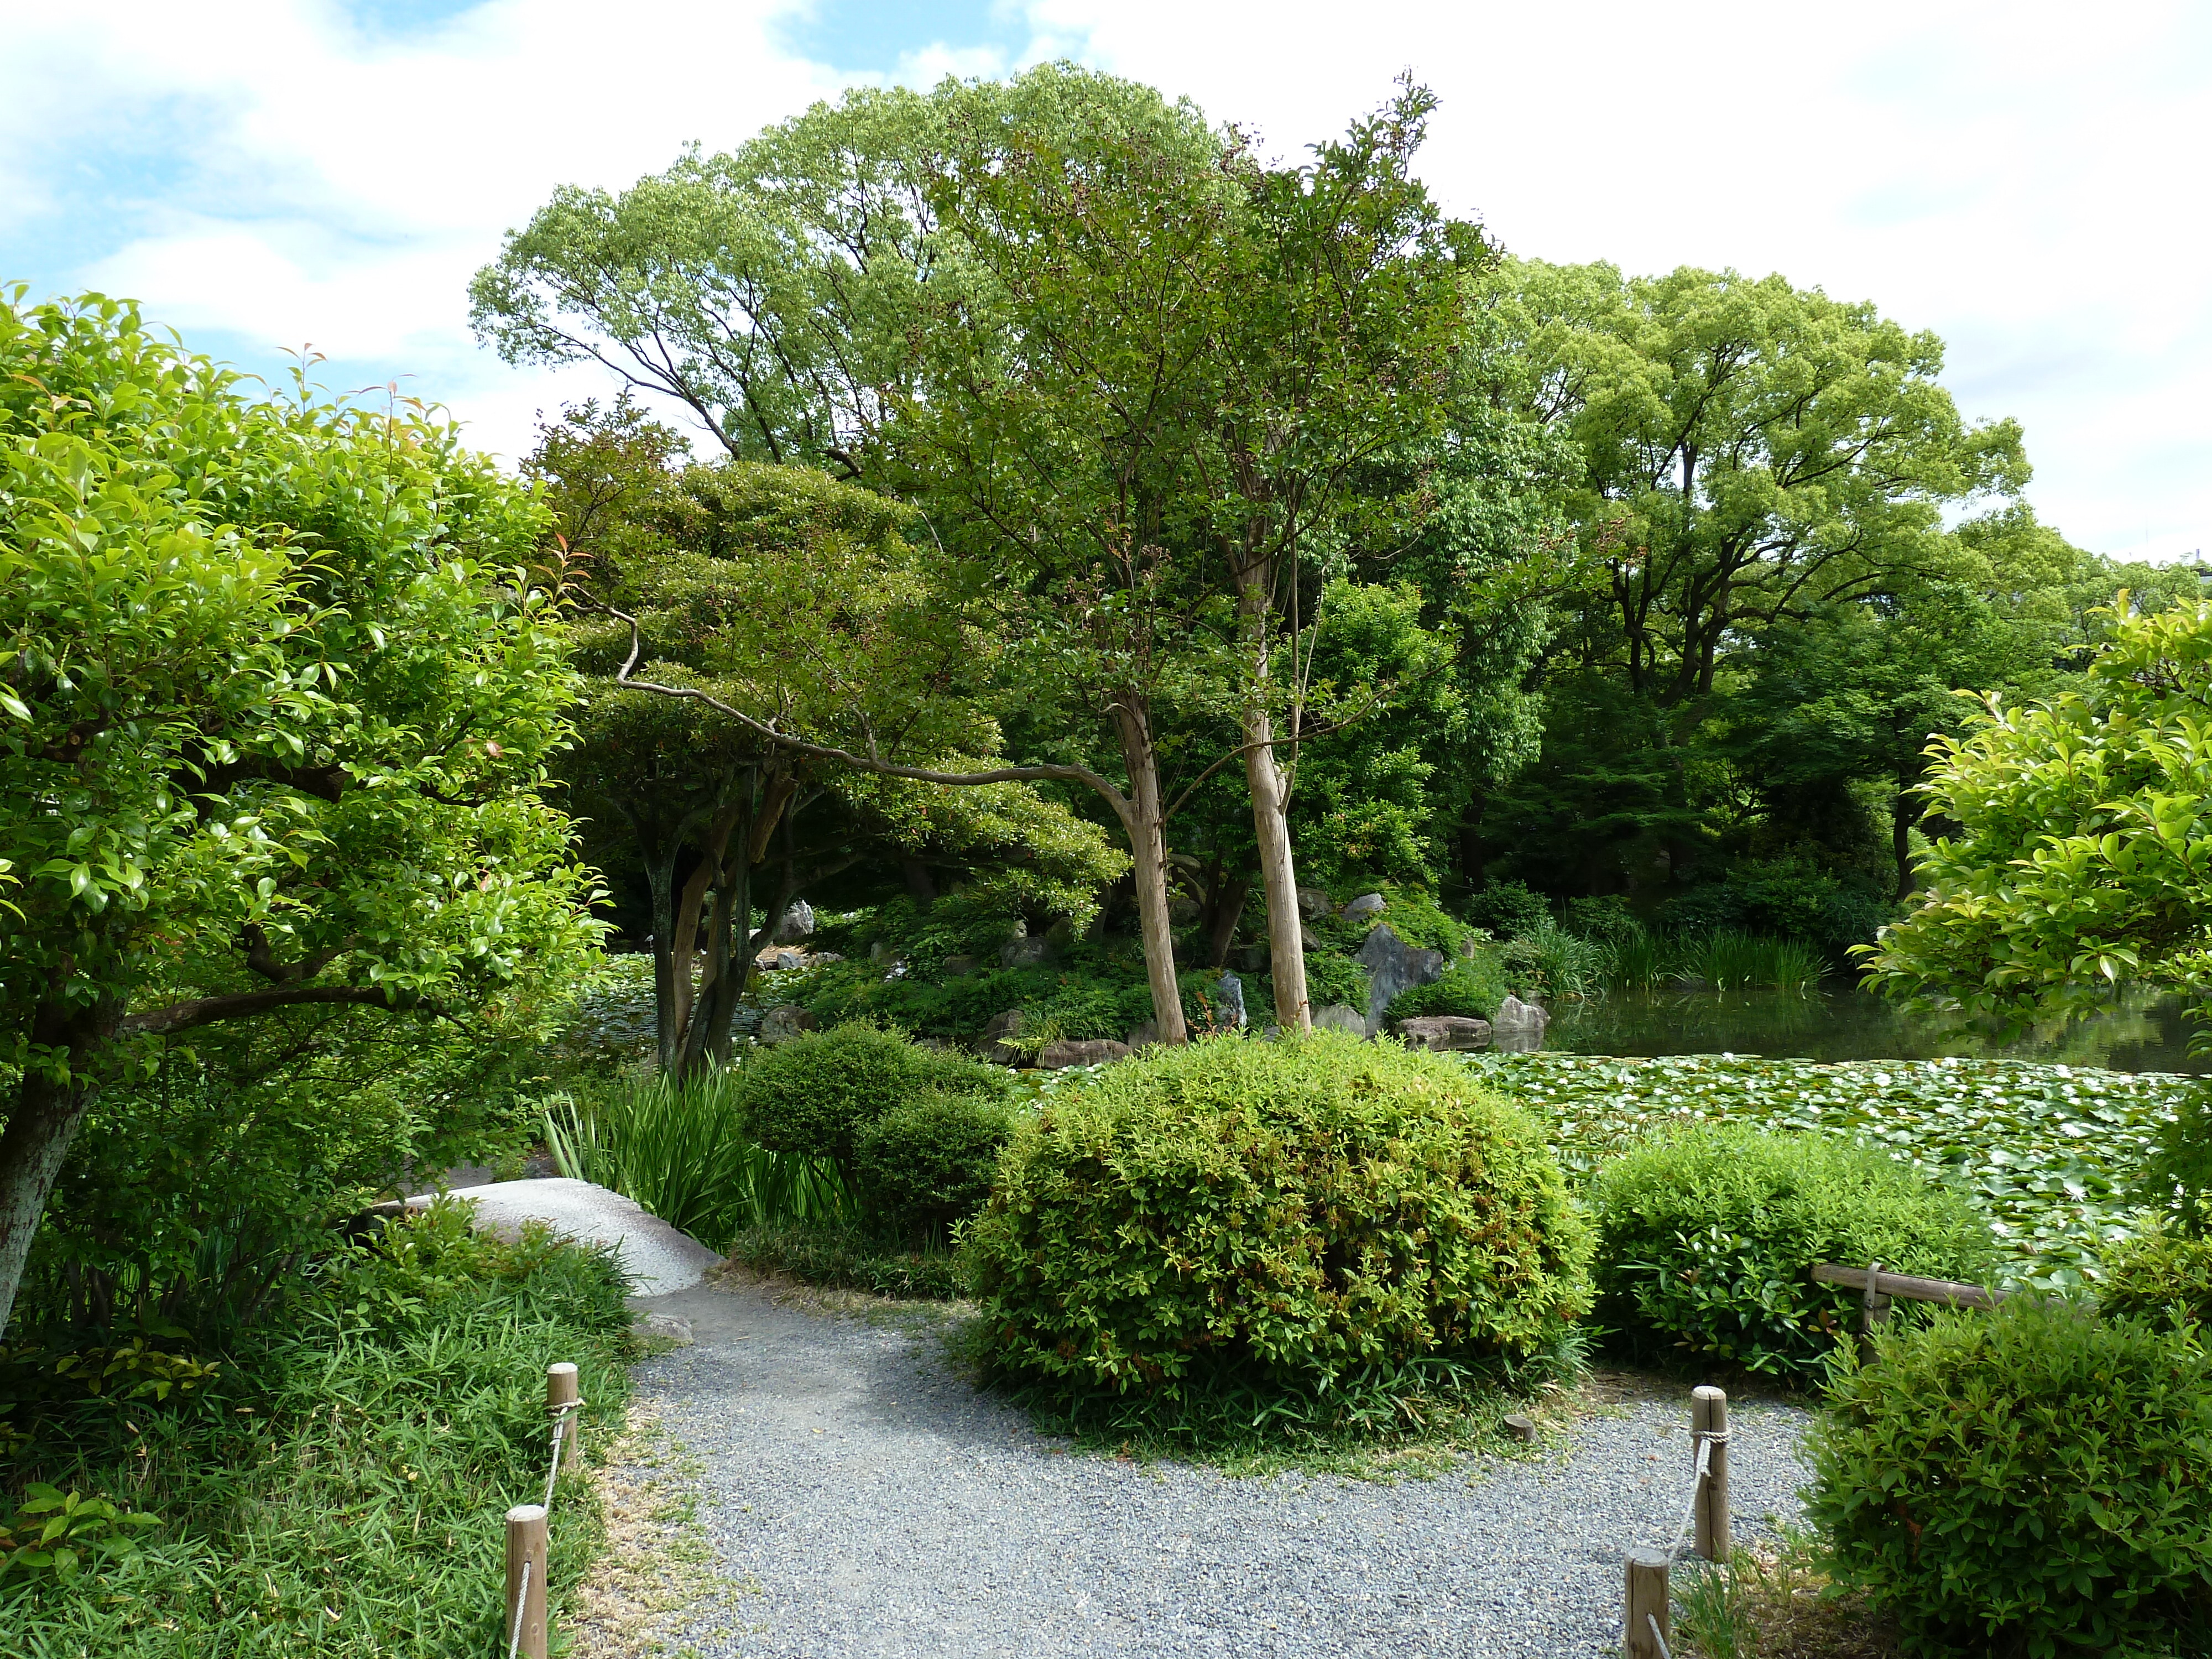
point(1725, 959)
point(1773, 1601)
point(839, 1256)
point(2051, 1154)
point(680, 1151)
point(337, 1489)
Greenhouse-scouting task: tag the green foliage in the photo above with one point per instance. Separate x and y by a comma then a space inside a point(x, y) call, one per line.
point(1287, 1214)
point(1786, 899)
point(53, 1532)
point(1470, 986)
point(2161, 1277)
point(2177, 1176)
point(2034, 1481)
point(1508, 909)
point(2083, 857)
point(1726, 960)
point(813, 1095)
point(1547, 961)
point(338, 1489)
point(927, 1163)
point(1706, 1241)
point(1333, 978)
point(847, 1257)
point(680, 1150)
point(2052, 1155)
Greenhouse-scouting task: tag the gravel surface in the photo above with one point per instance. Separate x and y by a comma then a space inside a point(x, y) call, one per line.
point(873, 1504)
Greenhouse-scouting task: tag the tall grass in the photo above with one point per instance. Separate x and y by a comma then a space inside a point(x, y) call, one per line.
point(680, 1150)
point(1725, 959)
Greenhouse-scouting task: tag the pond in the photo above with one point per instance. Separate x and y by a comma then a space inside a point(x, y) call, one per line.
point(2136, 1034)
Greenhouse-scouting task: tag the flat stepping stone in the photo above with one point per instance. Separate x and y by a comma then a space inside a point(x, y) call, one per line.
point(657, 1257)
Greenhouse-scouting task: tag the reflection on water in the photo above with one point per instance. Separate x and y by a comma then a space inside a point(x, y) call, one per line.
point(2134, 1034)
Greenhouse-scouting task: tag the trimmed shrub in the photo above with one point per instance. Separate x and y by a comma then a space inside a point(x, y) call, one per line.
point(926, 1164)
point(814, 1094)
point(1331, 978)
point(1508, 909)
point(1287, 1214)
point(1706, 1240)
point(2034, 1481)
point(1471, 987)
point(2163, 1277)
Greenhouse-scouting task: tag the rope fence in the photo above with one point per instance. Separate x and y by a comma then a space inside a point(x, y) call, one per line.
point(527, 1528)
point(1647, 1624)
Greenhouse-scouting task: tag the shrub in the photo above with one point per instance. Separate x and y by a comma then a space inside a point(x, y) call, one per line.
point(1331, 978)
point(1548, 961)
point(2033, 1482)
point(1706, 1238)
point(928, 1163)
point(838, 1256)
point(1471, 987)
point(1290, 1212)
point(1784, 897)
point(2163, 1277)
point(814, 1094)
point(1508, 908)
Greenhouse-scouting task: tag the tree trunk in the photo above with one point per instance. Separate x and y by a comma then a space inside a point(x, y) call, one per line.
point(1225, 909)
point(920, 886)
point(1141, 817)
point(45, 1120)
point(660, 882)
point(1271, 827)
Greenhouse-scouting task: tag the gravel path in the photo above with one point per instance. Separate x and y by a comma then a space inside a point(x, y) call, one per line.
point(881, 1507)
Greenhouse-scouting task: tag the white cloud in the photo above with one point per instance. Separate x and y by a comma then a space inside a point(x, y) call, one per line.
point(2025, 181)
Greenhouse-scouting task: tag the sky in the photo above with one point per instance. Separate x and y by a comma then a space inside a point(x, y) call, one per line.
point(2028, 180)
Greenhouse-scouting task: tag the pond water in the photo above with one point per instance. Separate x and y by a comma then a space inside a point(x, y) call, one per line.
point(2134, 1034)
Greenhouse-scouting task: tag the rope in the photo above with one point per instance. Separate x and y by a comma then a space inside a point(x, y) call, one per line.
point(522, 1601)
point(1651, 1619)
point(560, 1416)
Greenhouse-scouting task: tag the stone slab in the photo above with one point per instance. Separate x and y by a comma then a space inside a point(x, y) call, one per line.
point(658, 1258)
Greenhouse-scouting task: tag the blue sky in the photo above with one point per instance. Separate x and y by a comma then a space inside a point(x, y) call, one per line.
point(2026, 180)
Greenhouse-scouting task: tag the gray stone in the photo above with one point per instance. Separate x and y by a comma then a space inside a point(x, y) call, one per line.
point(1519, 1027)
point(1393, 966)
point(1253, 959)
point(1088, 1051)
point(1230, 1000)
point(1367, 904)
point(1143, 1037)
point(782, 1024)
point(1340, 1017)
point(1314, 904)
point(1027, 949)
point(783, 961)
point(959, 967)
point(798, 923)
point(1004, 1025)
point(663, 1328)
point(657, 1257)
point(1448, 1033)
point(1183, 910)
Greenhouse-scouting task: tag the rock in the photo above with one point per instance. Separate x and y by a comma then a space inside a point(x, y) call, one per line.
point(959, 967)
point(1145, 1035)
point(658, 1258)
point(1089, 1051)
point(1027, 949)
point(879, 950)
point(787, 960)
point(1340, 1017)
point(1253, 959)
point(1448, 1033)
point(1367, 904)
point(1393, 966)
point(782, 1024)
point(1004, 1025)
point(1313, 904)
point(662, 1327)
point(1519, 1027)
point(1230, 996)
point(798, 923)
point(1183, 910)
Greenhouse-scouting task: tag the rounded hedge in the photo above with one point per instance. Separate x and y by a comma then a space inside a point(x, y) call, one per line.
point(1291, 1211)
point(927, 1165)
point(2034, 1481)
point(1471, 987)
point(813, 1094)
point(1707, 1238)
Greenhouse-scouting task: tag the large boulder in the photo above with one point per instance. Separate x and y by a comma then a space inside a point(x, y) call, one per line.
point(1518, 1028)
point(1367, 904)
point(798, 923)
point(1340, 1017)
point(1004, 1025)
point(1313, 903)
point(658, 1258)
point(1446, 1033)
point(1228, 1001)
point(782, 1024)
point(958, 967)
point(1145, 1035)
point(1393, 966)
point(1086, 1051)
point(1027, 949)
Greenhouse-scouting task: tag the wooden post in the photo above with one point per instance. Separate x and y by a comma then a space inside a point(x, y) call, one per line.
point(1873, 1309)
point(1647, 1600)
point(525, 1592)
point(560, 1392)
point(1709, 1422)
point(1521, 1428)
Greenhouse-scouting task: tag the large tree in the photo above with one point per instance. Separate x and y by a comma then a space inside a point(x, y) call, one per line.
point(276, 703)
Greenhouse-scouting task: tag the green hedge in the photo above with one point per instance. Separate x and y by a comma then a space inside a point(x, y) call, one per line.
point(1471, 987)
point(1292, 1210)
point(926, 1164)
point(2163, 1277)
point(815, 1093)
point(1706, 1240)
point(2032, 1482)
